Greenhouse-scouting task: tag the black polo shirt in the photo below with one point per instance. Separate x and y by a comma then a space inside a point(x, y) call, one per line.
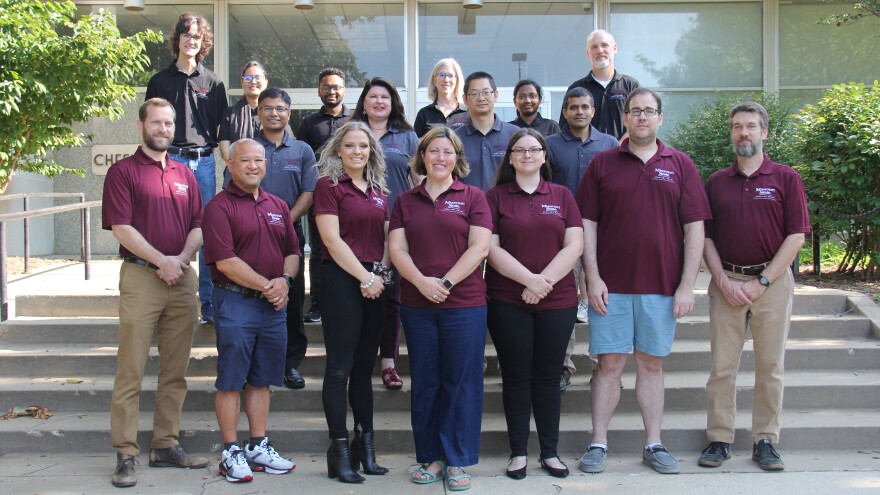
point(430, 116)
point(608, 101)
point(199, 100)
point(545, 126)
point(317, 128)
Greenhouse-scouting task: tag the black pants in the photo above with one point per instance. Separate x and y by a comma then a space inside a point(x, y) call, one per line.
point(352, 331)
point(530, 346)
point(297, 341)
point(317, 247)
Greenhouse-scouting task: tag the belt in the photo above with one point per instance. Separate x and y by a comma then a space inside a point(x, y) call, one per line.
point(240, 290)
point(138, 261)
point(191, 152)
point(744, 270)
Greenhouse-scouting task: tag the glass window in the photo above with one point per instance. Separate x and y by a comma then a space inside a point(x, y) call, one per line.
point(690, 45)
point(158, 18)
point(812, 54)
point(543, 41)
point(363, 40)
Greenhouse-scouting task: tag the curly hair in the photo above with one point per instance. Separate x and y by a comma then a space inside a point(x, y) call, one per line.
point(330, 165)
point(184, 24)
point(417, 162)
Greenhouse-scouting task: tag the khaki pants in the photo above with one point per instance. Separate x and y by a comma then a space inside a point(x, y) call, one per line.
point(768, 318)
point(147, 307)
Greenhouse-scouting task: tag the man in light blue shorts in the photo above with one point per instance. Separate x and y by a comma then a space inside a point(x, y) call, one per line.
point(643, 207)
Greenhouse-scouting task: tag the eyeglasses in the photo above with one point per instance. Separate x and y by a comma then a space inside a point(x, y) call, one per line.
point(328, 89)
point(649, 112)
point(530, 96)
point(446, 153)
point(279, 109)
point(531, 151)
point(189, 36)
point(446, 75)
point(485, 94)
point(252, 78)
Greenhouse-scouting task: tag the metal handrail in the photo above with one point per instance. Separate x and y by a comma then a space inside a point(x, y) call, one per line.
point(85, 248)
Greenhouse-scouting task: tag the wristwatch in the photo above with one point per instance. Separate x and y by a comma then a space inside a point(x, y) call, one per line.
point(446, 283)
point(763, 280)
point(289, 279)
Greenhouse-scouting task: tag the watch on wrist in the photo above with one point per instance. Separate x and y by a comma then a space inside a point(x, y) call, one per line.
point(446, 283)
point(288, 278)
point(763, 280)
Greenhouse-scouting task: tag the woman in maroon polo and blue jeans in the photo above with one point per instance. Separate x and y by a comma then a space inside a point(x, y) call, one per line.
point(537, 236)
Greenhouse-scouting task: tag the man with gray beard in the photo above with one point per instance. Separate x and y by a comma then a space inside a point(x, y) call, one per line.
point(759, 220)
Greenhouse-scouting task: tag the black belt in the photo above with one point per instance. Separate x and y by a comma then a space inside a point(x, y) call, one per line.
point(191, 152)
point(138, 261)
point(744, 270)
point(240, 290)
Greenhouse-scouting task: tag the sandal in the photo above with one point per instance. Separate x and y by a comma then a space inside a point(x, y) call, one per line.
point(427, 476)
point(455, 479)
point(391, 379)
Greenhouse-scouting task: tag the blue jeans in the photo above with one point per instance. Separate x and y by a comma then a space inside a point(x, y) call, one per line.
point(203, 169)
point(446, 348)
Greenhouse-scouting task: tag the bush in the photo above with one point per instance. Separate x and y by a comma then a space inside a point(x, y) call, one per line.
point(705, 136)
point(838, 141)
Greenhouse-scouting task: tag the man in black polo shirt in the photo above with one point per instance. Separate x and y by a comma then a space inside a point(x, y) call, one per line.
point(608, 87)
point(199, 98)
point(527, 96)
point(315, 129)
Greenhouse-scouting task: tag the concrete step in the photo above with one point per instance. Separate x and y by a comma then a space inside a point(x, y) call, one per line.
point(683, 433)
point(29, 360)
point(807, 301)
point(684, 391)
point(105, 330)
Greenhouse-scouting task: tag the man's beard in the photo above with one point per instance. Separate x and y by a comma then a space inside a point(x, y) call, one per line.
point(156, 143)
point(746, 149)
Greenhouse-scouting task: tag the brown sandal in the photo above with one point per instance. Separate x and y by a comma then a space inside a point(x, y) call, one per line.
point(391, 379)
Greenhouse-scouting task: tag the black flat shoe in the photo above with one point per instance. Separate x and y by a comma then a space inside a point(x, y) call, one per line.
point(293, 380)
point(517, 474)
point(555, 472)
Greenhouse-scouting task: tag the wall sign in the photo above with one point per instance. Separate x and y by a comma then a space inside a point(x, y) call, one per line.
point(104, 155)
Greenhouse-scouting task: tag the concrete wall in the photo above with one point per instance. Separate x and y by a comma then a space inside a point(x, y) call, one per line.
point(41, 229)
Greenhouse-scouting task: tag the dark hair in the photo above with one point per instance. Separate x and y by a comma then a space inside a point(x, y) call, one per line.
point(479, 75)
point(417, 162)
point(528, 82)
point(184, 24)
point(643, 91)
point(330, 71)
point(577, 93)
point(253, 63)
point(506, 173)
point(154, 102)
point(397, 118)
point(274, 93)
point(751, 107)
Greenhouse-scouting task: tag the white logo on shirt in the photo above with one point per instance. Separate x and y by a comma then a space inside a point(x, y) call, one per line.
point(378, 202)
point(275, 219)
point(554, 210)
point(454, 207)
point(765, 193)
point(181, 189)
point(664, 175)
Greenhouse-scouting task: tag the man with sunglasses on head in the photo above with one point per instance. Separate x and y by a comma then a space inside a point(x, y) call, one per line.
point(643, 207)
point(199, 99)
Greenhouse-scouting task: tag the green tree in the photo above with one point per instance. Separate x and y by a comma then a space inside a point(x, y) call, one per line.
point(861, 8)
point(705, 135)
point(56, 71)
point(838, 140)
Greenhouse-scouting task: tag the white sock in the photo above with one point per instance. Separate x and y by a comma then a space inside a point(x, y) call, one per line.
point(602, 445)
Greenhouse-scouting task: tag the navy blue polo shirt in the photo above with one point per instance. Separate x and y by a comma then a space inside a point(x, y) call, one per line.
point(484, 153)
point(569, 156)
point(399, 147)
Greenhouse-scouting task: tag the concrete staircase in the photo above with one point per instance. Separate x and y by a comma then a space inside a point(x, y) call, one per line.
point(832, 395)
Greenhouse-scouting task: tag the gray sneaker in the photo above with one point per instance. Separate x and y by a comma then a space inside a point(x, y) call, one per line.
point(661, 460)
point(593, 460)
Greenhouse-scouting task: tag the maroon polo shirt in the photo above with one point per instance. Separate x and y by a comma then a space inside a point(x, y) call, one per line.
point(531, 227)
point(362, 216)
point(162, 204)
point(751, 216)
point(437, 234)
point(259, 232)
point(641, 209)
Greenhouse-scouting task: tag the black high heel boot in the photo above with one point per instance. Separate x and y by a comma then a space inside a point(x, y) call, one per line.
point(363, 451)
point(339, 462)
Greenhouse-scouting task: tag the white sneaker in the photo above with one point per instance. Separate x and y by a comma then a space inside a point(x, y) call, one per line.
point(582, 314)
point(234, 466)
point(263, 457)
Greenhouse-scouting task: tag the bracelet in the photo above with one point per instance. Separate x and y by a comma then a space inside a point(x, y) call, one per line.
point(370, 283)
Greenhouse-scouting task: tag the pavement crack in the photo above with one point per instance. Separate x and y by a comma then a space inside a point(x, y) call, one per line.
point(41, 469)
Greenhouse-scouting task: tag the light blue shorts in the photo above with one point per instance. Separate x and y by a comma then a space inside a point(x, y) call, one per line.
point(643, 321)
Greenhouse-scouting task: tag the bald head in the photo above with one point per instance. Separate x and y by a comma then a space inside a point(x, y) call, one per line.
point(601, 50)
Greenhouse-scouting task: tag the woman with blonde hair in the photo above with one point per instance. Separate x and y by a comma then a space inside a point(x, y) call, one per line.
point(446, 91)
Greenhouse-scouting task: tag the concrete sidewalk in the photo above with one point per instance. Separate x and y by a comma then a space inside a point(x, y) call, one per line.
point(807, 473)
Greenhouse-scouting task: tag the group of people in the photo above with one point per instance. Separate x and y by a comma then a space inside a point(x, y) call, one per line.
point(449, 227)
